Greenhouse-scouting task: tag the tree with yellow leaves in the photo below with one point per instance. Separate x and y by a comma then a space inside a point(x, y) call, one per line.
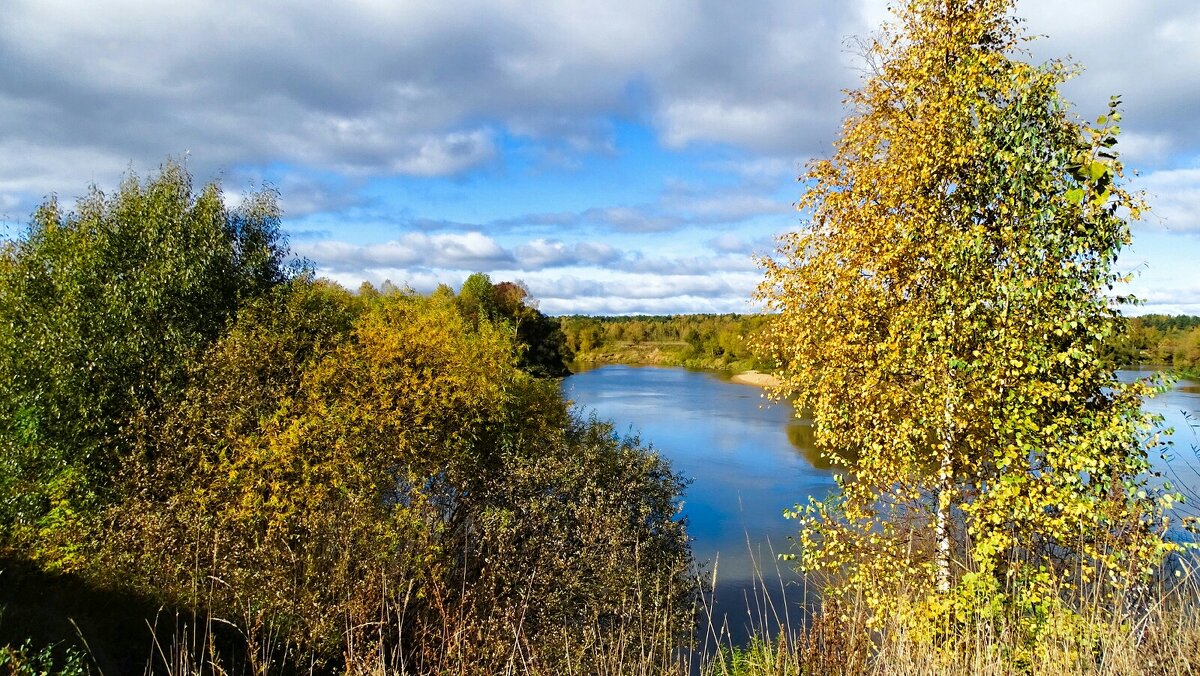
point(941, 318)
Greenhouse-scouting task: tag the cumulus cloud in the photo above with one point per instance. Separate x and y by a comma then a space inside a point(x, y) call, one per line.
point(431, 155)
point(621, 293)
point(743, 247)
point(458, 251)
point(542, 253)
point(383, 88)
point(1174, 197)
point(378, 87)
point(321, 100)
point(729, 243)
point(1181, 299)
point(631, 219)
point(697, 265)
point(681, 206)
point(1144, 51)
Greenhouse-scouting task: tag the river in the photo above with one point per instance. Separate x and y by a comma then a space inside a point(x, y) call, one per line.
point(750, 459)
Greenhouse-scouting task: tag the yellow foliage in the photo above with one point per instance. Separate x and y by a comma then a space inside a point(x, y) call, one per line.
point(942, 314)
point(347, 469)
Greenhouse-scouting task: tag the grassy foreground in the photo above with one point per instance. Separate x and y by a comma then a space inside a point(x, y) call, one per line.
point(71, 627)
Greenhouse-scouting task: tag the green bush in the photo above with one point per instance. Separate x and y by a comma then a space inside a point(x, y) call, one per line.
point(379, 472)
point(101, 311)
point(27, 661)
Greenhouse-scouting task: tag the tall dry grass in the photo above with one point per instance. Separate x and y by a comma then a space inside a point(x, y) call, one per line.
point(1161, 635)
point(791, 632)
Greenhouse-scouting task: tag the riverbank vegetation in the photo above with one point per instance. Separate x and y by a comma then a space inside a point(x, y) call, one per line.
point(722, 342)
point(1164, 341)
point(213, 462)
point(728, 342)
point(256, 471)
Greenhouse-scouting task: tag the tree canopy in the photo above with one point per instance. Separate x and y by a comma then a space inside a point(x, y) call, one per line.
point(378, 478)
point(101, 309)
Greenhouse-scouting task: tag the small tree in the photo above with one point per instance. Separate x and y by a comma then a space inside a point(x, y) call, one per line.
point(942, 316)
point(101, 311)
point(477, 298)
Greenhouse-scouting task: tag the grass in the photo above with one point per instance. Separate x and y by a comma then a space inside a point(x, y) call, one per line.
point(791, 634)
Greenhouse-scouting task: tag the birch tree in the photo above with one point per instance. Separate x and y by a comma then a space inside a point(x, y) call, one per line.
point(940, 317)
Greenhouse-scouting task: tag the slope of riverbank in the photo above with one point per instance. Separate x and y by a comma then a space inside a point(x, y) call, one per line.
point(661, 353)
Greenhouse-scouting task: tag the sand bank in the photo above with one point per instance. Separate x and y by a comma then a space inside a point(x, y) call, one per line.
point(756, 378)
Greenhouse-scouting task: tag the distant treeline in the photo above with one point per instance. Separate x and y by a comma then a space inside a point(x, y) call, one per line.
point(701, 340)
point(1171, 341)
point(724, 340)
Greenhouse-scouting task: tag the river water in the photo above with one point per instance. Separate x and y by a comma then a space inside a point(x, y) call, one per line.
point(750, 459)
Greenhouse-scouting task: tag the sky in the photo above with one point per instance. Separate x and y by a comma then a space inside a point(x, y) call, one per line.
point(626, 156)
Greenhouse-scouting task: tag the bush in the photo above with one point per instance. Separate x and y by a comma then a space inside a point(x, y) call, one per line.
point(348, 472)
point(101, 311)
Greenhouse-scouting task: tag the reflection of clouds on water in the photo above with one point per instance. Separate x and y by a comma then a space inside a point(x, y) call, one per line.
point(632, 395)
point(749, 460)
point(745, 471)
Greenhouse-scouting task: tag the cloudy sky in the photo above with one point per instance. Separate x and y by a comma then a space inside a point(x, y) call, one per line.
point(618, 157)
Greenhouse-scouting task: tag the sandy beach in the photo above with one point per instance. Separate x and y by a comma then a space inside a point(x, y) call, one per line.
point(756, 378)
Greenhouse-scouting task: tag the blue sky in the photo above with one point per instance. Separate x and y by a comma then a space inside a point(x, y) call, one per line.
point(618, 157)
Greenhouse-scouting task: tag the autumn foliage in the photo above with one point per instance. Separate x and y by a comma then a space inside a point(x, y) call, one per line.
point(942, 317)
point(350, 480)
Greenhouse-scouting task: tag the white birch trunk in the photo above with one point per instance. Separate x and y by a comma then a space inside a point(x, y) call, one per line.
point(945, 488)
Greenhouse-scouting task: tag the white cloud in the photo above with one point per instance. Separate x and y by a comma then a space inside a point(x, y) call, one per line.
point(751, 123)
point(330, 99)
point(630, 219)
point(407, 87)
point(445, 155)
point(622, 293)
point(415, 88)
point(543, 253)
point(1174, 197)
point(456, 251)
point(729, 243)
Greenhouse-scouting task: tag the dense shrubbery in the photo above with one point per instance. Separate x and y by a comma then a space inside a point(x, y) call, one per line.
point(101, 311)
point(367, 477)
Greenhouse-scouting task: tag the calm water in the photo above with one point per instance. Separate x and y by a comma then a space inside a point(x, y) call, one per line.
point(749, 461)
point(744, 466)
point(1180, 409)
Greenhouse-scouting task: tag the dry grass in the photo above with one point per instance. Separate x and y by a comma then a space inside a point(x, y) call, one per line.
point(1163, 637)
point(792, 633)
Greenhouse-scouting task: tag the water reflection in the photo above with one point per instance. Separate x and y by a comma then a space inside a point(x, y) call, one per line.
point(750, 460)
point(739, 450)
point(801, 436)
